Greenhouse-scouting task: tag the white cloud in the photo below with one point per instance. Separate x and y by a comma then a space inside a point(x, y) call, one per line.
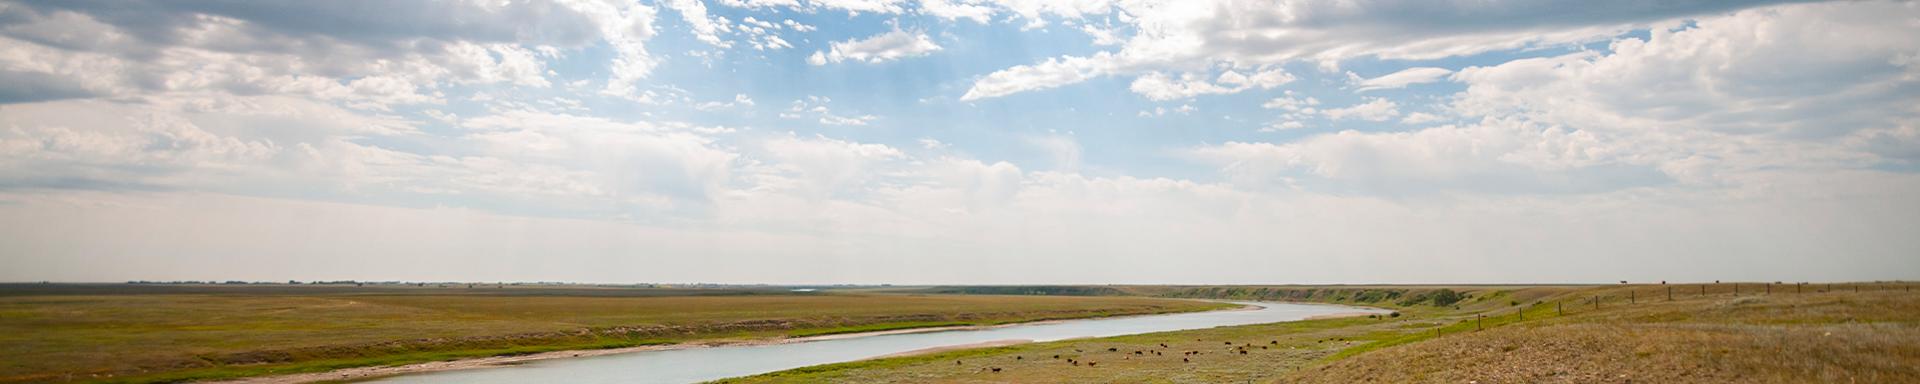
point(1493, 156)
point(1158, 86)
point(1286, 125)
point(1048, 74)
point(962, 9)
point(1062, 150)
point(857, 6)
point(1161, 87)
point(890, 46)
point(1188, 34)
point(816, 106)
point(1291, 103)
point(1375, 109)
point(1690, 141)
point(1403, 78)
point(1700, 107)
point(706, 29)
point(739, 100)
point(399, 58)
point(1102, 35)
point(1418, 118)
point(829, 166)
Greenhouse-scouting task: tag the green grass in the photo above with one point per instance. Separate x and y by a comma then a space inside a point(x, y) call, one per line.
point(177, 333)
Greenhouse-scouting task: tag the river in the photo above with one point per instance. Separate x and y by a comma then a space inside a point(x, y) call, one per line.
point(694, 365)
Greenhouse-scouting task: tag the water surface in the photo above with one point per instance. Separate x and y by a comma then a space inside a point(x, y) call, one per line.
point(703, 364)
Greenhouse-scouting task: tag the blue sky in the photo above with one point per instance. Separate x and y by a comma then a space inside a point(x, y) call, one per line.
point(959, 141)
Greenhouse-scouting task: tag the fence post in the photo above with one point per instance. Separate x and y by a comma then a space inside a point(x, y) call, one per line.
point(1522, 312)
point(1631, 297)
point(1703, 290)
point(1477, 320)
point(1669, 293)
point(1736, 289)
point(1769, 288)
point(1557, 311)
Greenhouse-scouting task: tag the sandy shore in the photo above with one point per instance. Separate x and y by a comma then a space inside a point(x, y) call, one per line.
point(362, 373)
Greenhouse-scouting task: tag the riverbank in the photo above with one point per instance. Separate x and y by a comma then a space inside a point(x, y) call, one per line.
point(136, 334)
point(366, 373)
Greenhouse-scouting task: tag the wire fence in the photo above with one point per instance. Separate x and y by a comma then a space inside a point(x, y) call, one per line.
point(1643, 294)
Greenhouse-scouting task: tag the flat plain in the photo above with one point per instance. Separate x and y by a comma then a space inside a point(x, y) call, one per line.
point(1707, 333)
point(162, 333)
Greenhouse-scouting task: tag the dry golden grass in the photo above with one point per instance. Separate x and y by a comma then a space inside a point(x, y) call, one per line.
point(49, 336)
point(1870, 337)
point(1635, 334)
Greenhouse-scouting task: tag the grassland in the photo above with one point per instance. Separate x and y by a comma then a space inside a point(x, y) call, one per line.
point(1853, 333)
point(128, 333)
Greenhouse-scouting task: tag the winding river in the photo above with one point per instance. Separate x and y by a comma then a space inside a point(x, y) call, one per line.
point(702, 364)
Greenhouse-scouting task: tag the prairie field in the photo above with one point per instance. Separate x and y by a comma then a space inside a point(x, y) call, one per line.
point(1484, 334)
point(128, 333)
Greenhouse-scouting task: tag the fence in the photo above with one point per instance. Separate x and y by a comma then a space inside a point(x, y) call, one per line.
point(1630, 294)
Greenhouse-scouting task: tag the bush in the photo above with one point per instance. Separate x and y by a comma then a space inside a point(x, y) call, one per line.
point(1394, 314)
point(1446, 297)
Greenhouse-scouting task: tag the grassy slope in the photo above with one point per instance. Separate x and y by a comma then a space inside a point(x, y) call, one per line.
point(1809, 337)
point(162, 333)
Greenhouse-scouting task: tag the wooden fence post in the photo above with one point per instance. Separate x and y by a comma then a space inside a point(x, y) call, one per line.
point(1477, 320)
point(1669, 293)
point(1557, 311)
point(1736, 289)
point(1631, 297)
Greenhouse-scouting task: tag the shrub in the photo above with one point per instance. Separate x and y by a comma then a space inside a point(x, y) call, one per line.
point(1446, 297)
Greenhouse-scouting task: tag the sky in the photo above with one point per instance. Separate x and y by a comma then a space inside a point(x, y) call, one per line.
point(960, 141)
